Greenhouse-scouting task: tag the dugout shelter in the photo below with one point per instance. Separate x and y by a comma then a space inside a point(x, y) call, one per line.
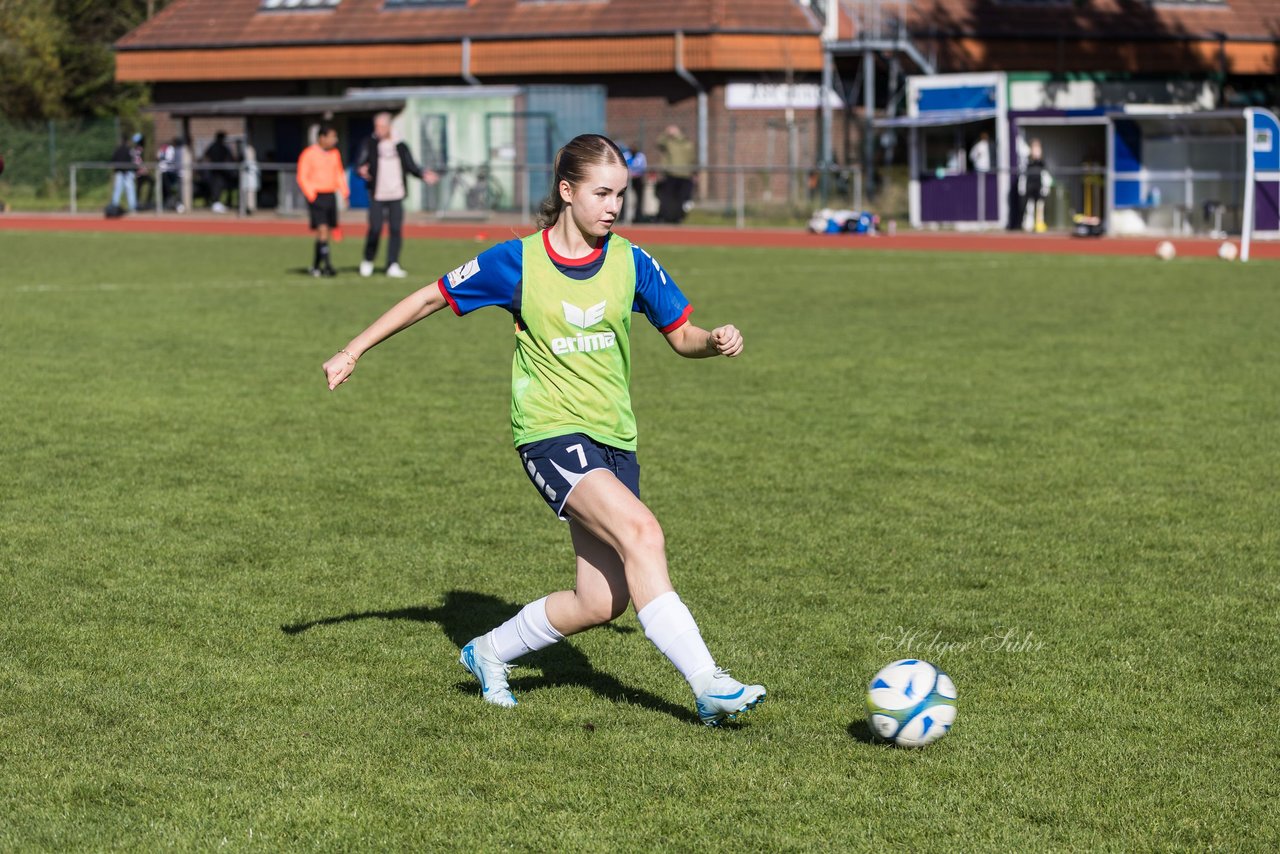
point(1139, 167)
point(492, 146)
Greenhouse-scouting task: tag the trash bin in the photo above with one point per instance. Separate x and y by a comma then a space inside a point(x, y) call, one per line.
point(1057, 208)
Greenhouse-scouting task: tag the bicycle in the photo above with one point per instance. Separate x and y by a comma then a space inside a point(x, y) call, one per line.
point(478, 189)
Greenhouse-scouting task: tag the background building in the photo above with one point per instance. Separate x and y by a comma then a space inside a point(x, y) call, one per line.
point(653, 63)
point(780, 86)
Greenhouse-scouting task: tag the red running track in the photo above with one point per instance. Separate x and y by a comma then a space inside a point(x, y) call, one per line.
point(946, 241)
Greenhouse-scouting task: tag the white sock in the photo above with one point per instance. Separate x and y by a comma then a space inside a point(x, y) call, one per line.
point(668, 623)
point(526, 632)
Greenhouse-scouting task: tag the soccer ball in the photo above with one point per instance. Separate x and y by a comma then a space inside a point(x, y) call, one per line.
point(911, 703)
point(1228, 251)
point(818, 222)
point(1165, 251)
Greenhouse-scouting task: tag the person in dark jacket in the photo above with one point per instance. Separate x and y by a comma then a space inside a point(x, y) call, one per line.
point(220, 179)
point(126, 174)
point(146, 183)
point(386, 164)
point(1038, 183)
point(678, 161)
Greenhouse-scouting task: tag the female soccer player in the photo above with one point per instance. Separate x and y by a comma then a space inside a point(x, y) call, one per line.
point(572, 288)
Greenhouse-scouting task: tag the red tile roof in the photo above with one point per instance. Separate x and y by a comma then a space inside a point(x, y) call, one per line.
point(1103, 19)
point(587, 36)
point(1136, 36)
point(226, 23)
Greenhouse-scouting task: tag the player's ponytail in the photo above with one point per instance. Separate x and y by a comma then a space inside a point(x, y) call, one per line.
point(573, 163)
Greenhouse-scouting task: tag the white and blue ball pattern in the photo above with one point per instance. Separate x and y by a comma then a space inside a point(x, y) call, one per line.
point(911, 703)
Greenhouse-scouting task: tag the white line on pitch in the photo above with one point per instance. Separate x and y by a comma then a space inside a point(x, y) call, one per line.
point(107, 287)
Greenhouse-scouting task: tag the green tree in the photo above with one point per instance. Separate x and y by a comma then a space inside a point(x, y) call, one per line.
point(32, 79)
point(56, 59)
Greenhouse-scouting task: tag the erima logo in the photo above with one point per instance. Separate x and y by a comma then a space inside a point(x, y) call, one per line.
point(584, 318)
point(466, 271)
point(587, 342)
point(583, 343)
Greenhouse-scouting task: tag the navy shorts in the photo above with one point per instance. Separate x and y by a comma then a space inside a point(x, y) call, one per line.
point(324, 210)
point(555, 466)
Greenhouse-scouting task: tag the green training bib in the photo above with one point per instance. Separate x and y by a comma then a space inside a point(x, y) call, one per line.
point(572, 367)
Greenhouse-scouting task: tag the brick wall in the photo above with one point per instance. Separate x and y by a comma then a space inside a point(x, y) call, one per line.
point(202, 130)
point(638, 111)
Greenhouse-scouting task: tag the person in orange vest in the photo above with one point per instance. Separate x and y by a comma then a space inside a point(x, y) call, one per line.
point(321, 177)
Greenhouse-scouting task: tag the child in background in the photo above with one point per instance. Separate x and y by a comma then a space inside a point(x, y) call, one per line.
point(321, 177)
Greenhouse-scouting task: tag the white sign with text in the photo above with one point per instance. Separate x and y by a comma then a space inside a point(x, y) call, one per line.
point(776, 96)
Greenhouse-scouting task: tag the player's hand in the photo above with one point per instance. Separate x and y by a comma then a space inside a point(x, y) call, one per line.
point(363, 172)
point(727, 340)
point(339, 369)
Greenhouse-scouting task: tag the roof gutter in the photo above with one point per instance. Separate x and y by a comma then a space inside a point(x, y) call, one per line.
point(684, 74)
point(466, 63)
point(447, 38)
point(1046, 35)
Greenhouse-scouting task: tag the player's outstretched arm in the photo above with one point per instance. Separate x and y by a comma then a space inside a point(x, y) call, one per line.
point(694, 342)
point(416, 306)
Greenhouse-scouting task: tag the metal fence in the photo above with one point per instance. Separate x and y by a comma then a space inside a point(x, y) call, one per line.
point(64, 163)
point(37, 155)
point(738, 193)
point(1184, 202)
point(731, 195)
point(247, 186)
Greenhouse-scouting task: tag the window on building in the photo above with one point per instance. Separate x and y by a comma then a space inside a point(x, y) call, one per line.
point(286, 5)
point(420, 4)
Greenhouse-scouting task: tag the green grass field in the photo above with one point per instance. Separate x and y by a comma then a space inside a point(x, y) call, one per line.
point(233, 601)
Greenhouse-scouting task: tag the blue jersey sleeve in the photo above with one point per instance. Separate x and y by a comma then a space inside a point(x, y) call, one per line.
point(657, 294)
point(491, 278)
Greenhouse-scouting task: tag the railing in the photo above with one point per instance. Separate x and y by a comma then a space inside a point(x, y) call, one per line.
point(174, 190)
point(758, 191)
point(1182, 201)
point(729, 193)
point(1177, 202)
point(736, 195)
point(876, 19)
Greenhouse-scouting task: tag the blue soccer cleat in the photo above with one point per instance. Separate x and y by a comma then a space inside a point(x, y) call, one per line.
point(726, 698)
point(491, 673)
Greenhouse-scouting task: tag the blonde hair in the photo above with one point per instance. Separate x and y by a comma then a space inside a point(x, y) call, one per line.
point(573, 164)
